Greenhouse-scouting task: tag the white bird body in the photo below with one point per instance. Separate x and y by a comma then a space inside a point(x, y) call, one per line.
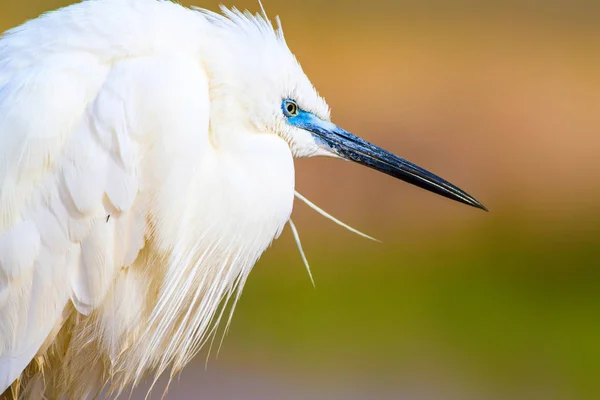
point(145, 164)
point(107, 149)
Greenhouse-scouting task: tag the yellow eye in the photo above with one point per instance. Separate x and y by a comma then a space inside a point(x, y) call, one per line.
point(290, 108)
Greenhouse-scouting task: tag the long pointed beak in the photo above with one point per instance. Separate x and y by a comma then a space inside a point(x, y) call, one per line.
point(351, 147)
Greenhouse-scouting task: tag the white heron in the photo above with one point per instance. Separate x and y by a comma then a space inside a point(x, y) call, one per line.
point(146, 161)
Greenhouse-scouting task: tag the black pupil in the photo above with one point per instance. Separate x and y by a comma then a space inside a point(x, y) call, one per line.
point(291, 108)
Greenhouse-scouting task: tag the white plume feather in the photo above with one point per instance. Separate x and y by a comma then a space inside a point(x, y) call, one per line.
point(332, 218)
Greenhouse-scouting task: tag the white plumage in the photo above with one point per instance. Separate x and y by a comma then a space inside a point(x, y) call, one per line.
point(109, 145)
point(146, 162)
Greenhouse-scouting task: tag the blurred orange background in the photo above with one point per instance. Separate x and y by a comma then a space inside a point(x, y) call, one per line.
point(500, 98)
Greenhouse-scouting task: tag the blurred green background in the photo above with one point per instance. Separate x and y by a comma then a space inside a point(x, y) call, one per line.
point(501, 98)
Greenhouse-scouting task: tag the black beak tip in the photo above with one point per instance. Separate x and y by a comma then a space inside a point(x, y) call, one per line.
point(481, 207)
point(474, 203)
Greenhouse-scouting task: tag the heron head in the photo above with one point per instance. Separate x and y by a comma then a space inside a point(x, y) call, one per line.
point(275, 96)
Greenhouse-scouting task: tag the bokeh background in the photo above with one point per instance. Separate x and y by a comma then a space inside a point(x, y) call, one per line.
point(501, 98)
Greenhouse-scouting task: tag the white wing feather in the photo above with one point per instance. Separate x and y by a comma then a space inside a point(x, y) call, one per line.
point(40, 221)
point(69, 163)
